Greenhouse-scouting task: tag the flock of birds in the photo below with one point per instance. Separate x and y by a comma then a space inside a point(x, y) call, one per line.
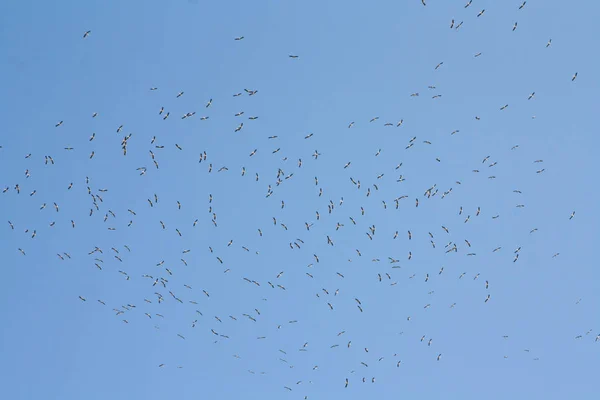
point(303, 231)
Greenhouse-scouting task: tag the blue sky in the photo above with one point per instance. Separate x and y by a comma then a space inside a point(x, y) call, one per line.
point(356, 61)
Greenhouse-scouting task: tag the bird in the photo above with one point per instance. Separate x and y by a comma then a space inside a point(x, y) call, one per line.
point(86, 34)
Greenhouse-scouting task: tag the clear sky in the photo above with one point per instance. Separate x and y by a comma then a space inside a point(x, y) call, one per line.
point(212, 309)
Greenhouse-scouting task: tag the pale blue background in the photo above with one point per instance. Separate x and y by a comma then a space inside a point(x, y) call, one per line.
point(357, 60)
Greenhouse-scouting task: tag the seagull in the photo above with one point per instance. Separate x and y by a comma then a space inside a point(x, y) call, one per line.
point(86, 34)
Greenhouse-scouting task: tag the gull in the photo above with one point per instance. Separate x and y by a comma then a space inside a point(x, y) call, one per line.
point(522, 5)
point(481, 13)
point(514, 27)
point(531, 96)
point(549, 43)
point(477, 55)
point(574, 77)
point(293, 56)
point(58, 124)
point(351, 124)
point(179, 94)
point(503, 107)
point(439, 65)
point(374, 119)
point(572, 215)
point(469, 3)
point(86, 34)
point(239, 128)
point(439, 356)
point(209, 103)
